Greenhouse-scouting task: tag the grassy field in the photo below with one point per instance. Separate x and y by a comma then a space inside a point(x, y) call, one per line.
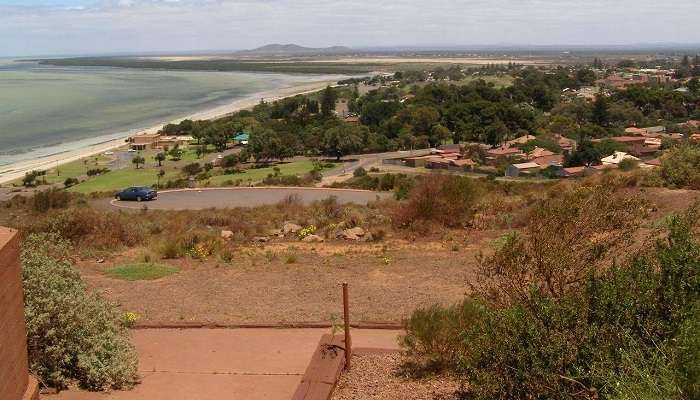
point(123, 178)
point(258, 174)
point(142, 271)
point(72, 170)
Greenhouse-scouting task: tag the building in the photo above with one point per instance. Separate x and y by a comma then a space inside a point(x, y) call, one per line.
point(528, 168)
point(617, 157)
point(143, 141)
point(166, 141)
point(241, 138)
point(15, 381)
point(504, 151)
point(463, 165)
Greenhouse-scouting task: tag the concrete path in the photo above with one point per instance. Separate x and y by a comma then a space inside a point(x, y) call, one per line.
point(209, 364)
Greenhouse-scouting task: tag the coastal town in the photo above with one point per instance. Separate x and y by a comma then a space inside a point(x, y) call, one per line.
point(188, 213)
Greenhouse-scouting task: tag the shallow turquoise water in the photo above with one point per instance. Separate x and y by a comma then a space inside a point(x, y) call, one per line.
point(48, 109)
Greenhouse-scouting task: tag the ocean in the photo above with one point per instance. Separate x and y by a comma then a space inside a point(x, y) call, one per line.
point(46, 110)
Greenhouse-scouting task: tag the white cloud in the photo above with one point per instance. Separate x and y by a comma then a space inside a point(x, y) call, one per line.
point(103, 26)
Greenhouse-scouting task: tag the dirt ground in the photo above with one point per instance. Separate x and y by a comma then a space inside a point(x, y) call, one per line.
point(290, 281)
point(378, 376)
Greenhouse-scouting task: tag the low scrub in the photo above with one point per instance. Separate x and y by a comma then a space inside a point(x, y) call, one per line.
point(628, 331)
point(73, 335)
point(443, 199)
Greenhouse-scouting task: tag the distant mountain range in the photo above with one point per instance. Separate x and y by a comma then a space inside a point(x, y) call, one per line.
point(294, 50)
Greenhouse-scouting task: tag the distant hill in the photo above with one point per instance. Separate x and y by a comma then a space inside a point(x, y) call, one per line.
point(294, 50)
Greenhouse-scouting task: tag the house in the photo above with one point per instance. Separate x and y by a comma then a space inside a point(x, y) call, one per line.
point(450, 148)
point(616, 158)
point(504, 151)
point(351, 119)
point(241, 138)
point(555, 160)
point(520, 140)
point(416, 162)
point(538, 152)
point(573, 172)
point(342, 108)
point(461, 165)
point(643, 150)
point(565, 143)
point(633, 130)
point(166, 141)
point(528, 168)
point(437, 162)
point(143, 141)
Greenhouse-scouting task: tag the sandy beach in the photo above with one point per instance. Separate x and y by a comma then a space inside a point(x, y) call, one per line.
point(14, 171)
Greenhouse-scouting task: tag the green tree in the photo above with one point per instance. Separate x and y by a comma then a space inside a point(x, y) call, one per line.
point(160, 157)
point(341, 140)
point(328, 99)
point(138, 160)
point(192, 169)
point(600, 114)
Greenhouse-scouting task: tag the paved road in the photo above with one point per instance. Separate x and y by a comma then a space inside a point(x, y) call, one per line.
point(198, 199)
point(213, 364)
point(365, 161)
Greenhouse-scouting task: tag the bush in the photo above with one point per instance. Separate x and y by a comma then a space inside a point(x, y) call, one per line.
point(50, 199)
point(72, 333)
point(70, 182)
point(433, 335)
point(358, 172)
point(625, 332)
point(680, 166)
point(628, 164)
point(444, 199)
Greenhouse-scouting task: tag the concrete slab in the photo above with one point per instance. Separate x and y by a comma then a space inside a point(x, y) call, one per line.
point(204, 364)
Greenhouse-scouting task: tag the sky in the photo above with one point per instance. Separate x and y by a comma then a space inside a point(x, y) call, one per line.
point(81, 27)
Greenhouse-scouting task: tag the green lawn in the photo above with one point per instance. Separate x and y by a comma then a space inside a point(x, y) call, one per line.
point(142, 271)
point(123, 178)
point(258, 174)
point(72, 169)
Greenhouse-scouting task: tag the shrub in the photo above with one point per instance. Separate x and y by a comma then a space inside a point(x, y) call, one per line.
point(628, 164)
point(680, 166)
point(49, 199)
point(72, 333)
point(70, 182)
point(359, 171)
point(443, 199)
point(433, 335)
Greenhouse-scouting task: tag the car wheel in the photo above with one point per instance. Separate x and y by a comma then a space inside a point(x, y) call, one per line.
point(138, 198)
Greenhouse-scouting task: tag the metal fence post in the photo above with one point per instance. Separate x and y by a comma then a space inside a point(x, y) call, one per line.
point(346, 317)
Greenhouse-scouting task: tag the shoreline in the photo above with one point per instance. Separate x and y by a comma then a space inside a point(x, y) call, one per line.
point(17, 170)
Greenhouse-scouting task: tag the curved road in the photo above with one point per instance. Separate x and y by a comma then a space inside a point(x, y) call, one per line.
point(198, 199)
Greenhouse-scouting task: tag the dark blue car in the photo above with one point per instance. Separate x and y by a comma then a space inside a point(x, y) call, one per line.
point(136, 193)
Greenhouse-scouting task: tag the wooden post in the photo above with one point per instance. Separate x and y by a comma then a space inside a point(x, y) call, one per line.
point(346, 317)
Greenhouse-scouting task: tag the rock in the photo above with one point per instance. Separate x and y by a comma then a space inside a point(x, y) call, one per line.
point(226, 235)
point(368, 237)
point(100, 260)
point(261, 239)
point(312, 239)
point(290, 228)
point(355, 233)
point(276, 232)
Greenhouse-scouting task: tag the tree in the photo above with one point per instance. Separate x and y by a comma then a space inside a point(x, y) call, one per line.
point(192, 169)
point(266, 144)
point(685, 61)
point(341, 140)
point(175, 153)
point(328, 99)
point(29, 179)
point(160, 157)
point(496, 133)
point(600, 113)
point(160, 175)
point(138, 160)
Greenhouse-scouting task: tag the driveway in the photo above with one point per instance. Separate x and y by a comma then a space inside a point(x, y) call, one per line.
point(213, 364)
point(198, 199)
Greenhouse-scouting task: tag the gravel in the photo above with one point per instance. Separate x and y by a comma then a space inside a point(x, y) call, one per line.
point(378, 376)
